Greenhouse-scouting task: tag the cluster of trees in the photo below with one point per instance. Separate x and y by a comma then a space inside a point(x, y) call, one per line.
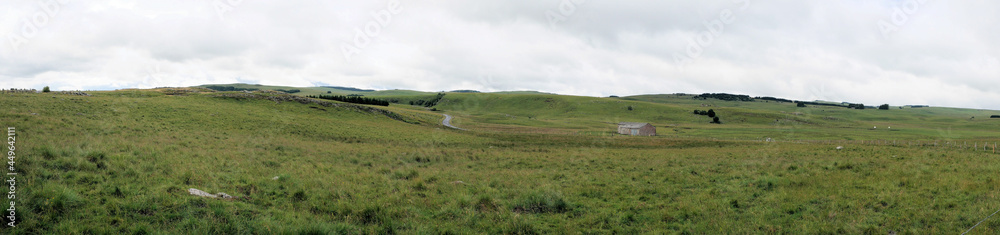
point(768, 98)
point(856, 106)
point(229, 88)
point(465, 91)
point(805, 103)
point(352, 99)
point(995, 116)
point(289, 91)
point(710, 113)
point(428, 103)
point(883, 107)
point(724, 96)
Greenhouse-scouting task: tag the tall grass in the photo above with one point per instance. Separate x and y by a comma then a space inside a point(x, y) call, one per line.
point(121, 162)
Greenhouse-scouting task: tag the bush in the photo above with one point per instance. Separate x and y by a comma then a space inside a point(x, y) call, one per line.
point(45, 89)
point(542, 202)
point(711, 113)
point(801, 105)
point(883, 107)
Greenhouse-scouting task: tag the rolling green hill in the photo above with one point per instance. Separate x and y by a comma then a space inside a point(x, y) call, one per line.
point(122, 162)
point(741, 120)
point(304, 91)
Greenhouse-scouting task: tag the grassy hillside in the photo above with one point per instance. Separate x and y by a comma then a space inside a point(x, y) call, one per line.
point(673, 115)
point(122, 162)
point(305, 91)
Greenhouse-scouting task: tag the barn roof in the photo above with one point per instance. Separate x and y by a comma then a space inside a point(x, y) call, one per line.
point(632, 124)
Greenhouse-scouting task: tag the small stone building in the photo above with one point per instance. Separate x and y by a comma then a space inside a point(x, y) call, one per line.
point(636, 128)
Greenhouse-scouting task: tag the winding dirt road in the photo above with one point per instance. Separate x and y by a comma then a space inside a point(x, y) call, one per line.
point(447, 122)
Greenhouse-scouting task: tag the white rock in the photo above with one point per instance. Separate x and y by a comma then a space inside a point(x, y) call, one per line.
point(840, 147)
point(200, 193)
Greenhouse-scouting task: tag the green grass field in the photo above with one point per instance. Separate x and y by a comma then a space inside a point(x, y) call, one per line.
point(122, 162)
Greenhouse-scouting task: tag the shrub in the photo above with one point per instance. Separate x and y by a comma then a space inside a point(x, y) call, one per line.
point(711, 113)
point(45, 89)
point(801, 105)
point(883, 107)
point(299, 196)
point(542, 202)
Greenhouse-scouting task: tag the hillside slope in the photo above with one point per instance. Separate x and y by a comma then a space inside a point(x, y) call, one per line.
point(674, 115)
point(122, 162)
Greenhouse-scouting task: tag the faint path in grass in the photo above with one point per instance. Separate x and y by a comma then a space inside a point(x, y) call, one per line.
point(447, 122)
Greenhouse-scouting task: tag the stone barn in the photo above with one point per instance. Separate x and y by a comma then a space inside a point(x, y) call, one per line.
point(636, 128)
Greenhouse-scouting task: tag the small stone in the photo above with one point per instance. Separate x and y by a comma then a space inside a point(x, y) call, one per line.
point(200, 193)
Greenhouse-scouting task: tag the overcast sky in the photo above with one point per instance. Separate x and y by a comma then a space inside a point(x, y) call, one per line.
point(942, 53)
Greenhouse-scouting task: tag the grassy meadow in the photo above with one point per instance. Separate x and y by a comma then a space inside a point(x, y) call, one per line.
point(121, 162)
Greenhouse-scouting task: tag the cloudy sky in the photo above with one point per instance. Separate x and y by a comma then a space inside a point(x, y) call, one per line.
point(942, 53)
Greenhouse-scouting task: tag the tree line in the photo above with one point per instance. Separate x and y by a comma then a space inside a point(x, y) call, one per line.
point(710, 113)
point(724, 96)
point(230, 88)
point(352, 99)
point(428, 103)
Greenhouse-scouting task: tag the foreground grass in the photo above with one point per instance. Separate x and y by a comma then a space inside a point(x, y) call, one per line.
point(121, 162)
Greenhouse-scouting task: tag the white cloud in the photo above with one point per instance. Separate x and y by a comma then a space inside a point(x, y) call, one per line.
point(942, 55)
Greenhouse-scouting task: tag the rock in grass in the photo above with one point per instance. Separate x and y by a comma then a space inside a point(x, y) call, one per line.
point(840, 147)
point(200, 193)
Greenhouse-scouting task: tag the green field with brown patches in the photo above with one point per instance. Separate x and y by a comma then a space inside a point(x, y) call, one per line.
point(122, 162)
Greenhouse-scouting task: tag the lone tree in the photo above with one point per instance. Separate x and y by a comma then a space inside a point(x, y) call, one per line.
point(629, 108)
point(716, 120)
point(801, 105)
point(45, 89)
point(711, 113)
point(883, 107)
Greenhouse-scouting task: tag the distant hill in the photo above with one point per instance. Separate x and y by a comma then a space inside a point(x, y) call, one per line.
point(347, 88)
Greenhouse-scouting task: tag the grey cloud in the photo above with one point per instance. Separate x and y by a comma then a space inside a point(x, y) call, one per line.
point(835, 50)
